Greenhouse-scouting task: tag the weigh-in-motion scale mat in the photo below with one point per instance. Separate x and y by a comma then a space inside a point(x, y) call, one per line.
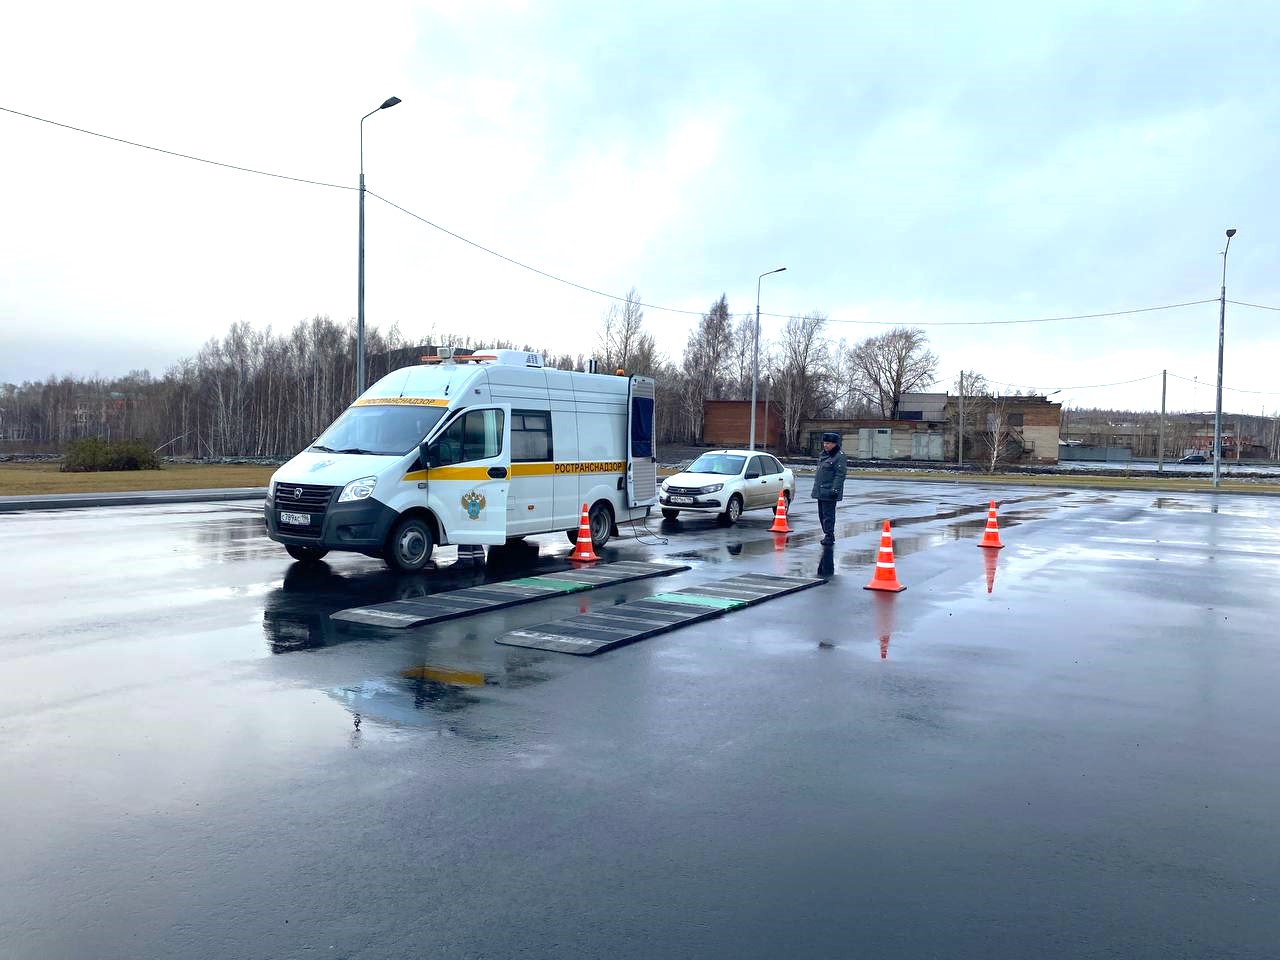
point(508, 593)
point(592, 633)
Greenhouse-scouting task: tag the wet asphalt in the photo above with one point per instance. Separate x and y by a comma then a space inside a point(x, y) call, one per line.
point(1062, 749)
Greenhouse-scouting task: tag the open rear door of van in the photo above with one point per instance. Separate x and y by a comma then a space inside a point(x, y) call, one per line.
point(642, 452)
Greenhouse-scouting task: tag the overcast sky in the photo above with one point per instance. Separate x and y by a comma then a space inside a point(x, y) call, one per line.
point(937, 163)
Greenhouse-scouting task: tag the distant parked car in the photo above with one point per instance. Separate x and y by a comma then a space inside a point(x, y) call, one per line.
point(1194, 458)
point(723, 483)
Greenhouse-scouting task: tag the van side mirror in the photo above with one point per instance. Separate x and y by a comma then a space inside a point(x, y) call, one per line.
point(425, 453)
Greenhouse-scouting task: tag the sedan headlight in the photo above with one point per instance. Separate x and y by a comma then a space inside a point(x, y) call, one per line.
point(712, 488)
point(358, 489)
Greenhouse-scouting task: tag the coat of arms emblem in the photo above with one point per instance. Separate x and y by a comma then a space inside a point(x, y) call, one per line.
point(473, 503)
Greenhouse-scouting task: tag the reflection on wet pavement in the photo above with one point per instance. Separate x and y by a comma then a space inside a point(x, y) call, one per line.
point(296, 614)
point(990, 562)
point(884, 604)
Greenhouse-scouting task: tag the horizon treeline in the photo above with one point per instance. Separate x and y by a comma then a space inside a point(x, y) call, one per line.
point(262, 393)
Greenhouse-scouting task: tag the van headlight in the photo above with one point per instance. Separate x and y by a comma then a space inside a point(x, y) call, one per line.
point(358, 489)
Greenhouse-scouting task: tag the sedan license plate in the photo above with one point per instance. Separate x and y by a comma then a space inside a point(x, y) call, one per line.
point(681, 499)
point(296, 519)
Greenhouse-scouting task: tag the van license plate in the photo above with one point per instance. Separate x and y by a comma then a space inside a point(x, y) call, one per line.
point(681, 499)
point(296, 519)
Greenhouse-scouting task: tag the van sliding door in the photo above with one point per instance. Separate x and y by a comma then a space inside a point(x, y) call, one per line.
point(642, 452)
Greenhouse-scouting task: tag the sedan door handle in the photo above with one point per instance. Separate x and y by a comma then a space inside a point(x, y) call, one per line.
point(498, 473)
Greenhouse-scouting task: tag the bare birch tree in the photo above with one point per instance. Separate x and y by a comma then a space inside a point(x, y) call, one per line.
point(800, 365)
point(882, 368)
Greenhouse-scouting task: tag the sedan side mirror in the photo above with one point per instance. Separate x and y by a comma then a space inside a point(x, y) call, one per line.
point(752, 476)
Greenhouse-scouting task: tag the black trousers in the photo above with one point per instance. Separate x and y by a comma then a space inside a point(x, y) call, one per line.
point(827, 517)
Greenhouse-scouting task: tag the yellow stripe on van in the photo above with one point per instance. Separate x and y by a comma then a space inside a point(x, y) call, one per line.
point(450, 473)
point(401, 402)
point(543, 469)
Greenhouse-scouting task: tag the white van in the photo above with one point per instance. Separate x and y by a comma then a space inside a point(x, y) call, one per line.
point(481, 449)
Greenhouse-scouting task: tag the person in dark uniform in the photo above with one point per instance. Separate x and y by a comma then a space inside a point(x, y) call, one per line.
point(828, 485)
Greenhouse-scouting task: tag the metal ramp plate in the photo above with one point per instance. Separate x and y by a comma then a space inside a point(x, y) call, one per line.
point(399, 614)
point(591, 633)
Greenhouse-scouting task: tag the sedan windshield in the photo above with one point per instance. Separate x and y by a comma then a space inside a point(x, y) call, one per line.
point(725, 464)
point(384, 430)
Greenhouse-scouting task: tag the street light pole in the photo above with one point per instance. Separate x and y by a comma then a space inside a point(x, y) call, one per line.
point(360, 384)
point(755, 360)
point(1222, 322)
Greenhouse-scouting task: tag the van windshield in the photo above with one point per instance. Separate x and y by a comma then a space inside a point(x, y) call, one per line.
point(379, 429)
point(722, 463)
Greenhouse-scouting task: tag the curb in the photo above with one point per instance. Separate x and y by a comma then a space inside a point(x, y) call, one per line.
point(73, 501)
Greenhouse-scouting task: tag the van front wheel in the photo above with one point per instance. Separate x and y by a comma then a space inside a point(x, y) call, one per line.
point(409, 546)
point(305, 554)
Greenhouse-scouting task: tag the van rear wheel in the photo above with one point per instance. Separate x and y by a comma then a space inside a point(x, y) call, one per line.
point(409, 547)
point(600, 520)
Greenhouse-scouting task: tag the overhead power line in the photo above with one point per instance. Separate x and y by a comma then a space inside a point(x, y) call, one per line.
point(779, 316)
point(525, 266)
point(1078, 386)
point(1256, 306)
point(605, 294)
point(1210, 383)
point(993, 323)
point(174, 153)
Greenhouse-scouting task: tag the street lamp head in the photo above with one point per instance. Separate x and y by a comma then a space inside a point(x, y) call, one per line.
point(392, 101)
point(1231, 233)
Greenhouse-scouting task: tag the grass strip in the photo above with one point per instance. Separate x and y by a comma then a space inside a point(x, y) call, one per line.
point(34, 479)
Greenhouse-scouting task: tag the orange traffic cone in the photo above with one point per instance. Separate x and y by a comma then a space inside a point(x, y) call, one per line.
point(780, 516)
point(886, 575)
point(991, 535)
point(585, 551)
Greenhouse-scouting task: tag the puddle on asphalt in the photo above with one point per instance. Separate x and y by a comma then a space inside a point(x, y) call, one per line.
point(295, 615)
point(903, 543)
point(425, 694)
point(233, 539)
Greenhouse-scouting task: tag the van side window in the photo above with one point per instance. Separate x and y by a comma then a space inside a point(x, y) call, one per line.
point(530, 436)
point(476, 435)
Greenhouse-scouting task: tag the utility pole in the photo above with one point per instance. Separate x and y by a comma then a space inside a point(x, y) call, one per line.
point(360, 378)
point(755, 357)
point(1164, 384)
point(960, 427)
point(1222, 322)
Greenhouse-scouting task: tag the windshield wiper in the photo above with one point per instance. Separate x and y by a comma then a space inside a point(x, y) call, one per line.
point(353, 450)
point(322, 447)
